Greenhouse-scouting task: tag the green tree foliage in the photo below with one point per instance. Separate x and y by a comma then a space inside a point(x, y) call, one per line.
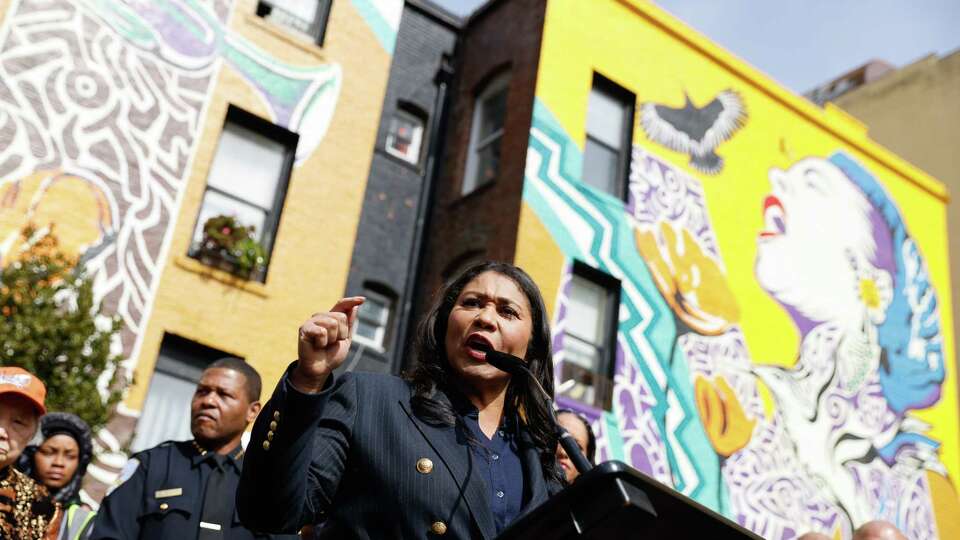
point(52, 327)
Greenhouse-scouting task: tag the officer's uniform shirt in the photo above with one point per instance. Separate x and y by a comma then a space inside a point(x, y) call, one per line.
point(162, 496)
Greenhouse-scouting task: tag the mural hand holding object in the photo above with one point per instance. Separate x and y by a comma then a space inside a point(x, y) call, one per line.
point(722, 414)
point(691, 281)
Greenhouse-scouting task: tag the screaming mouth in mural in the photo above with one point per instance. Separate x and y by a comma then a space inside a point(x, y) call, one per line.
point(696, 131)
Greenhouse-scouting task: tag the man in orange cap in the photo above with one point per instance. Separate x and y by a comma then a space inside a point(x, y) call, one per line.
point(26, 508)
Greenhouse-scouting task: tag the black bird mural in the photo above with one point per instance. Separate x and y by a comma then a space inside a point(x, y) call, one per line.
point(696, 131)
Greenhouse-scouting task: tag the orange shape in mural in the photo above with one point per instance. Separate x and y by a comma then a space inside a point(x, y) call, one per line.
point(80, 209)
point(691, 281)
point(946, 505)
point(727, 425)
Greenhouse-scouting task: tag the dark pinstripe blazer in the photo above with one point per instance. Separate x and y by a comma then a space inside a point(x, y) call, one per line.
point(348, 456)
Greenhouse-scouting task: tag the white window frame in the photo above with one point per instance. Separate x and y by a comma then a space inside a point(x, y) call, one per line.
point(616, 93)
point(317, 28)
point(471, 177)
point(412, 156)
point(606, 348)
point(266, 232)
point(378, 342)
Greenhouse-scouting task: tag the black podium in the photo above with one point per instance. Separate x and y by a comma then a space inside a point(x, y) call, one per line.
point(614, 501)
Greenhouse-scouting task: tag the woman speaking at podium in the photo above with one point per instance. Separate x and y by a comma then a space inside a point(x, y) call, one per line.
point(457, 449)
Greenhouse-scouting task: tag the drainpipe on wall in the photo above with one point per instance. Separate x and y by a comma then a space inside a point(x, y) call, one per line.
point(411, 290)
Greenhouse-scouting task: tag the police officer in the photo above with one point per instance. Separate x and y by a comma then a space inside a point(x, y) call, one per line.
point(187, 490)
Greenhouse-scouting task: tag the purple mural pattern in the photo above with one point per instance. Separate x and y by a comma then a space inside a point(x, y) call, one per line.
point(808, 463)
point(661, 193)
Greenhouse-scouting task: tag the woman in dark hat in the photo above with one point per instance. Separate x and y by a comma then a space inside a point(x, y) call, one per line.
point(60, 462)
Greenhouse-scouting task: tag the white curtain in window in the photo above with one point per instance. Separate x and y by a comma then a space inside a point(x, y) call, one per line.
point(600, 166)
point(372, 320)
point(247, 165)
point(483, 154)
point(585, 316)
point(605, 118)
point(405, 136)
point(166, 412)
point(303, 9)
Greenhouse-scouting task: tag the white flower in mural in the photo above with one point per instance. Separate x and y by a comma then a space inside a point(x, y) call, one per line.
point(875, 289)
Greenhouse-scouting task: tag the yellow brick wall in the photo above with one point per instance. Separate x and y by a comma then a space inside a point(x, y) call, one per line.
point(311, 254)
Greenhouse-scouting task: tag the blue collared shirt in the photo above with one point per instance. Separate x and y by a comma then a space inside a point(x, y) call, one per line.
point(499, 463)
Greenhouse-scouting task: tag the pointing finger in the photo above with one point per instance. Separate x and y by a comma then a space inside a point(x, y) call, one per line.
point(352, 319)
point(344, 305)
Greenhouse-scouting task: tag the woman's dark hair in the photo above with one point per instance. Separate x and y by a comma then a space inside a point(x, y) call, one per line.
point(433, 370)
point(591, 438)
point(58, 423)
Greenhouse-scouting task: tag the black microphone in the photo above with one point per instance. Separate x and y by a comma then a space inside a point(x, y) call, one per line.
point(508, 362)
point(515, 366)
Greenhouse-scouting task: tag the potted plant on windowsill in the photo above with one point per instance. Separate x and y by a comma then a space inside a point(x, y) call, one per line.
point(231, 247)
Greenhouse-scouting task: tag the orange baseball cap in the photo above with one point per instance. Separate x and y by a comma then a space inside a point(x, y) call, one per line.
point(16, 380)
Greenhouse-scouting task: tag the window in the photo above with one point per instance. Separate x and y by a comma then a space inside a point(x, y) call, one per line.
point(489, 111)
point(589, 341)
point(405, 137)
point(606, 153)
point(166, 411)
point(245, 187)
point(307, 17)
point(373, 319)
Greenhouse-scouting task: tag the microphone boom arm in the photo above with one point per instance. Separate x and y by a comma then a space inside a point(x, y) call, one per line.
point(513, 365)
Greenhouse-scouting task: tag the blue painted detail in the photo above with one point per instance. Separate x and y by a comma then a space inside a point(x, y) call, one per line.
point(909, 380)
point(606, 219)
point(889, 452)
point(386, 34)
point(696, 442)
point(614, 438)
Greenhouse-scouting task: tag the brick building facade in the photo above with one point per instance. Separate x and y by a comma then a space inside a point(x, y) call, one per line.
point(409, 146)
point(149, 119)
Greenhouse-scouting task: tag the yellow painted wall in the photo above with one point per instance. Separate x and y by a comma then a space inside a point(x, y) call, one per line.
point(651, 54)
point(314, 242)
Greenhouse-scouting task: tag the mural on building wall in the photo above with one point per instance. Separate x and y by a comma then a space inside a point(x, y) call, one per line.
point(102, 103)
point(112, 95)
point(825, 444)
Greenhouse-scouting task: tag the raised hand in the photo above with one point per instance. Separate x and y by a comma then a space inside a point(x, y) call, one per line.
point(323, 343)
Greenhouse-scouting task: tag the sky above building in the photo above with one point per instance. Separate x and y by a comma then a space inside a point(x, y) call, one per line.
point(804, 43)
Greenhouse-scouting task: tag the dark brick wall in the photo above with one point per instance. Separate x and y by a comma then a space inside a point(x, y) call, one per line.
point(382, 251)
point(483, 224)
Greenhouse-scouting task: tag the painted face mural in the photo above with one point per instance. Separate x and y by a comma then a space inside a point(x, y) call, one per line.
point(824, 444)
point(858, 373)
point(817, 254)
